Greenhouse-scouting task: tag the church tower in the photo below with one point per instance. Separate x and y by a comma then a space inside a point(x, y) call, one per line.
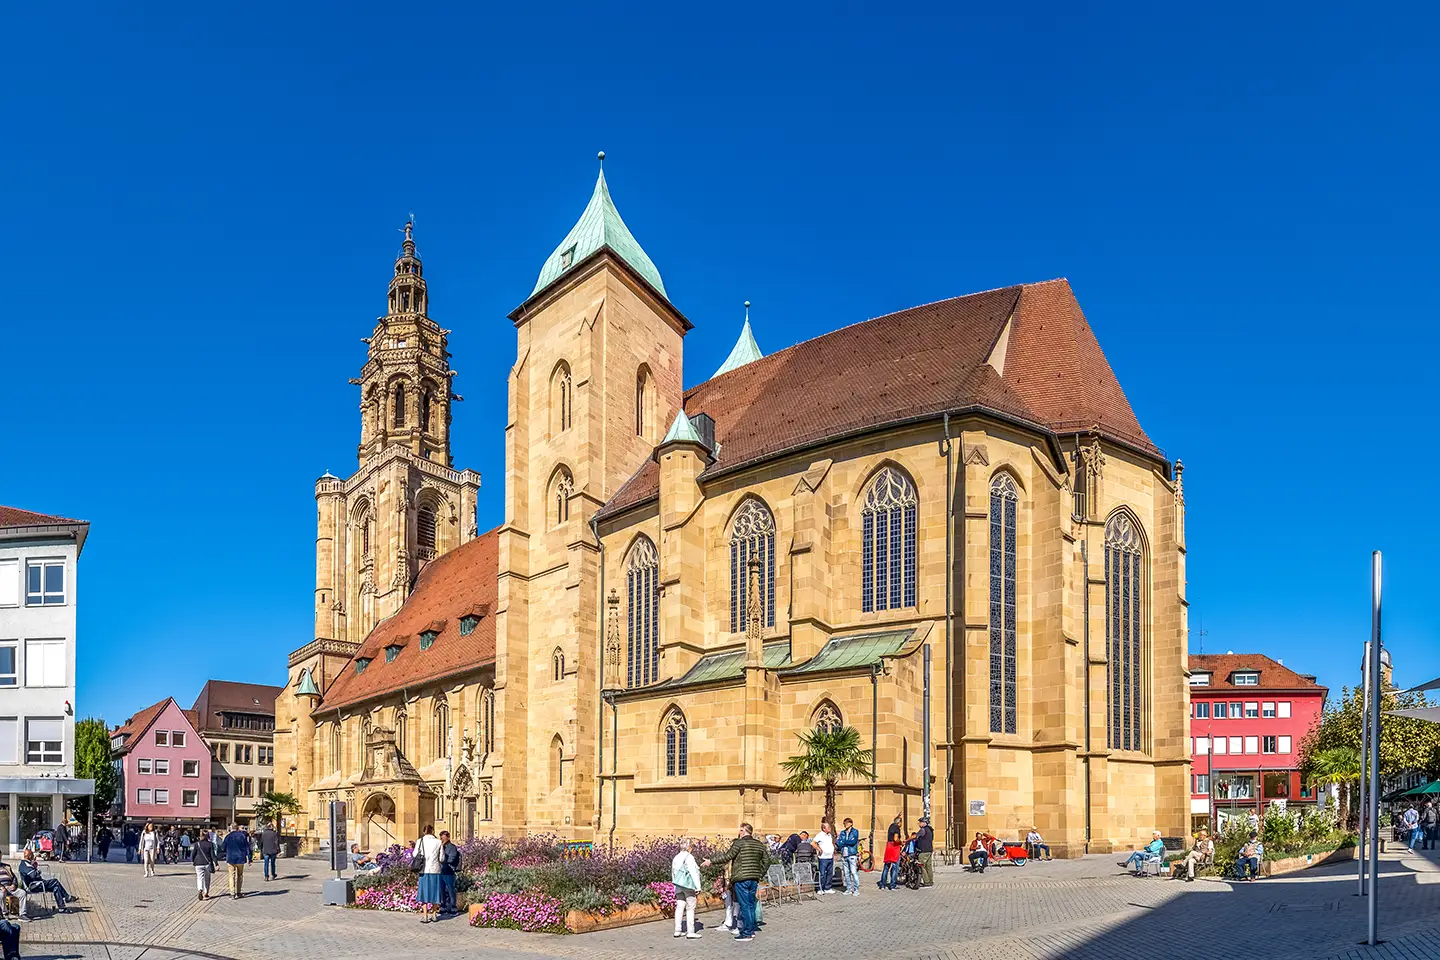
point(405, 505)
point(597, 378)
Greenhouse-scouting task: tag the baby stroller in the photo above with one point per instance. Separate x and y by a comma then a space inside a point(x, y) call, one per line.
point(43, 843)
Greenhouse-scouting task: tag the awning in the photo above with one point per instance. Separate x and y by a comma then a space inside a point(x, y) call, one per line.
point(1420, 713)
point(65, 786)
point(1432, 685)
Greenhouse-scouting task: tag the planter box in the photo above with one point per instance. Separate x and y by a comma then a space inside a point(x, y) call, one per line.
point(1275, 868)
point(579, 921)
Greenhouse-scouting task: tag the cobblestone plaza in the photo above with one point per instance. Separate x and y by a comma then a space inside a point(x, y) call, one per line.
point(1079, 908)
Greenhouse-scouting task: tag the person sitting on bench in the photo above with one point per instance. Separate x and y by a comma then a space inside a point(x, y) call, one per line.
point(979, 853)
point(1036, 843)
point(1247, 867)
point(1200, 855)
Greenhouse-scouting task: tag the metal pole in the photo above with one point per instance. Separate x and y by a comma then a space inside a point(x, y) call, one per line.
point(1375, 675)
point(874, 734)
point(1361, 803)
point(925, 734)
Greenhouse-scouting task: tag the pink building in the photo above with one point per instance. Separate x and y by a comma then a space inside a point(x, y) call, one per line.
point(1248, 716)
point(164, 766)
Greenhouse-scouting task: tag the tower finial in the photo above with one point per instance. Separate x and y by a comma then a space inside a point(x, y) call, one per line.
point(747, 311)
point(601, 157)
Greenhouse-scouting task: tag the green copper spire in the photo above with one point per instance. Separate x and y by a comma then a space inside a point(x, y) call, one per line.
point(682, 431)
point(599, 227)
point(306, 685)
point(746, 349)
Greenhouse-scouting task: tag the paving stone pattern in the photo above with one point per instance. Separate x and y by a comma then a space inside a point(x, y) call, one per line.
point(1084, 908)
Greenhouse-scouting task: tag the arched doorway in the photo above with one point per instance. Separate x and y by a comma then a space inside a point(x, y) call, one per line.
point(462, 805)
point(377, 823)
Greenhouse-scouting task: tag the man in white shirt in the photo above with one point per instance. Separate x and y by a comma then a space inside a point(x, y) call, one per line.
point(1036, 843)
point(824, 843)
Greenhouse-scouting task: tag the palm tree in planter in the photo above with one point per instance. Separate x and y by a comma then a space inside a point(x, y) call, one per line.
point(1338, 765)
point(831, 754)
point(273, 804)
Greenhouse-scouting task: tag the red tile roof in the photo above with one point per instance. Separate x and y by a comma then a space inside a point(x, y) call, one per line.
point(457, 584)
point(219, 696)
point(15, 517)
point(135, 727)
point(911, 365)
point(1273, 675)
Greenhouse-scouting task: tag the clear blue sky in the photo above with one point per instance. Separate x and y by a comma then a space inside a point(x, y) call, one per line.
point(200, 211)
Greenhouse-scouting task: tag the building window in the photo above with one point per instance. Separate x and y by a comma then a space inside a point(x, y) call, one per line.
point(826, 718)
point(144, 766)
point(1283, 709)
point(402, 731)
point(567, 257)
point(887, 550)
point(244, 753)
point(44, 663)
point(1202, 746)
point(267, 785)
point(1267, 710)
point(427, 639)
point(644, 401)
point(265, 756)
point(425, 528)
point(1284, 744)
point(1252, 744)
point(557, 660)
point(1219, 746)
point(677, 748)
point(399, 404)
point(9, 663)
point(44, 741)
point(752, 537)
point(1124, 630)
point(557, 762)
point(487, 800)
point(468, 625)
point(1004, 504)
point(9, 739)
point(1252, 711)
point(1243, 678)
point(222, 752)
point(1222, 711)
point(1268, 745)
point(361, 663)
point(1202, 783)
point(562, 399)
point(335, 751)
point(1202, 711)
point(44, 582)
point(9, 583)
point(162, 795)
point(391, 652)
point(162, 768)
point(642, 662)
point(427, 402)
point(142, 796)
point(219, 786)
point(190, 798)
point(189, 768)
point(1199, 679)
point(162, 738)
point(177, 738)
point(562, 487)
point(244, 787)
point(487, 721)
point(440, 742)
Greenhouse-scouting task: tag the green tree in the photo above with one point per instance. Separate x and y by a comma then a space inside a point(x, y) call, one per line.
point(1337, 765)
point(830, 756)
point(92, 762)
point(273, 805)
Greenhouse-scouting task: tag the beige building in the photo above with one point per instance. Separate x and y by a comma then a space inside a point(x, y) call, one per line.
point(684, 581)
point(237, 723)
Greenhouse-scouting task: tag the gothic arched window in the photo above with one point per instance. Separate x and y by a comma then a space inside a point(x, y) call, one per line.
point(562, 399)
point(887, 550)
point(1124, 631)
point(487, 800)
point(752, 536)
point(562, 488)
point(1004, 504)
point(427, 401)
point(487, 721)
point(677, 744)
point(440, 740)
point(644, 400)
point(557, 661)
point(425, 527)
point(399, 405)
point(557, 762)
point(335, 750)
point(827, 718)
point(642, 586)
point(402, 732)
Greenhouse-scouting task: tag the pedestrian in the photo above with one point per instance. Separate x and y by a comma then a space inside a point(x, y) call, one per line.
point(849, 843)
point(1411, 819)
point(449, 869)
point(185, 844)
point(825, 854)
point(270, 850)
point(131, 841)
point(149, 848)
point(788, 848)
point(890, 872)
point(685, 874)
point(103, 839)
point(62, 840)
point(894, 832)
point(205, 861)
point(749, 859)
point(236, 848)
point(254, 839)
point(925, 851)
point(432, 888)
point(721, 888)
point(1428, 821)
point(1035, 843)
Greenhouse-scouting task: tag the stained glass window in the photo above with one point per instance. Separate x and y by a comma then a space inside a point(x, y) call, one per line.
point(1124, 632)
point(564, 489)
point(887, 551)
point(1004, 503)
point(677, 746)
point(827, 717)
point(642, 663)
point(752, 535)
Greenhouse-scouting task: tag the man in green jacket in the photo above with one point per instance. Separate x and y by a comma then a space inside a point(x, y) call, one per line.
point(749, 859)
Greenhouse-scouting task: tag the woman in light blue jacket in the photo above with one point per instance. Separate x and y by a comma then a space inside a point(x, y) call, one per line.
point(685, 874)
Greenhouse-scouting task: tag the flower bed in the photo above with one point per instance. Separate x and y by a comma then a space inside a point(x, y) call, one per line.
point(540, 884)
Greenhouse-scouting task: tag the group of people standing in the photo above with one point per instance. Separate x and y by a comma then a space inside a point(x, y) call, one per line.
point(1422, 825)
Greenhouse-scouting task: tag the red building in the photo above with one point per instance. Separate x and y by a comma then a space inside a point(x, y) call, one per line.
point(1248, 715)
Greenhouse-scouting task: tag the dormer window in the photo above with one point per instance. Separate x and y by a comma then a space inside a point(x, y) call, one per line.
point(468, 625)
point(391, 652)
point(1245, 678)
point(567, 257)
point(426, 639)
point(1199, 679)
point(361, 663)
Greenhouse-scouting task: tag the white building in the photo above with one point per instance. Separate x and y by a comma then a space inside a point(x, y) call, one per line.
point(38, 559)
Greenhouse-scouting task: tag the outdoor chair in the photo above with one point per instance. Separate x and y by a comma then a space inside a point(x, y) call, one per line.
point(777, 887)
point(805, 881)
point(1157, 864)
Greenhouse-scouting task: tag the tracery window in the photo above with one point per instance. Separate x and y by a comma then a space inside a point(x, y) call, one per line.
point(887, 550)
point(557, 762)
point(440, 742)
point(487, 721)
point(558, 662)
point(1124, 631)
point(399, 405)
point(426, 404)
point(425, 527)
point(402, 732)
point(562, 397)
point(564, 487)
point(335, 752)
point(1004, 504)
point(752, 536)
point(827, 718)
point(677, 745)
point(487, 800)
point(642, 586)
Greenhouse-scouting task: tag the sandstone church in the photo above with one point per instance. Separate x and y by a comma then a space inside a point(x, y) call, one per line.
point(685, 580)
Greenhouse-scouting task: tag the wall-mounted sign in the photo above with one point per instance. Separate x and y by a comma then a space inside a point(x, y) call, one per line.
point(977, 808)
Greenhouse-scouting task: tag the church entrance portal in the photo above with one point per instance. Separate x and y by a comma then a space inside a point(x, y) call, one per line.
point(377, 823)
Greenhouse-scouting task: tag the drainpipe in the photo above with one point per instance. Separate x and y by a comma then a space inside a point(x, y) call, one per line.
point(600, 677)
point(947, 446)
point(1085, 615)
point(874, 735)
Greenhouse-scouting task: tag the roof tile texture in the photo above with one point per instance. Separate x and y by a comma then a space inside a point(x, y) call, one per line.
point(15, 517)
point(1273, 675)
